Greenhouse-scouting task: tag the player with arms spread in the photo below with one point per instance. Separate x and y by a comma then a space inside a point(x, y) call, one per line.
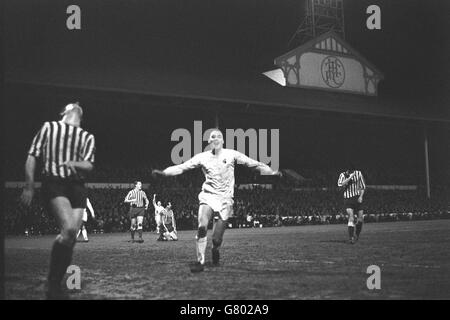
point(217, 191)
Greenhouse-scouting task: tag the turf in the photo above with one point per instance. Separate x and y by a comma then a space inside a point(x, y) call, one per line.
point(309, 262)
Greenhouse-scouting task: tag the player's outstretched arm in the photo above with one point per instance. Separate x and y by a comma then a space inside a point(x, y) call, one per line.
point(168, 172)
point(263, 168)
point(176, 170)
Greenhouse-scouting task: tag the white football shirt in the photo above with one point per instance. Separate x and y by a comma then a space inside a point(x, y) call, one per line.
point(219, 170)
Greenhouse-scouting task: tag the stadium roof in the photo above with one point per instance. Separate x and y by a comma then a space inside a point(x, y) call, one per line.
point(162, 48)
point(311, 44)
point(256, 90)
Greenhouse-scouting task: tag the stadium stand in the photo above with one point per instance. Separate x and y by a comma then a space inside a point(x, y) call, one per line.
point(278, 207)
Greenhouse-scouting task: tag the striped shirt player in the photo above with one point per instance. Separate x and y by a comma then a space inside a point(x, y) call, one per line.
point(67, 152)
point(353, 185)
point(138, 201)
point(137, 198)
point(58, 142)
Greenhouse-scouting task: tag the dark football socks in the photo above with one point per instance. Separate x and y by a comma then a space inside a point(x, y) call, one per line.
point(358, 228)
point(351, 232)
point(61, 258)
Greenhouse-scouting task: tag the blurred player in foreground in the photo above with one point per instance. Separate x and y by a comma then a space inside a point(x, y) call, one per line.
point(169, 226)
point(83, 230)
point(352, 183)
point(217, 191)
point(67, 152)
point(138, 201)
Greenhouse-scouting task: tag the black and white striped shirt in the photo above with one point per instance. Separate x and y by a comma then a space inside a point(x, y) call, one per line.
point(354, 186)
point(137, 197)
point(58, 142)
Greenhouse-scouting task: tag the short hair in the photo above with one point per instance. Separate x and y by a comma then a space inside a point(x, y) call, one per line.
point(75, 106)
point(216, 129)
point(136, 182)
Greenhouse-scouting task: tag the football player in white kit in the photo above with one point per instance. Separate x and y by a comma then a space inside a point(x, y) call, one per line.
point(217, 191)
point(83, 230)
point(158, 213)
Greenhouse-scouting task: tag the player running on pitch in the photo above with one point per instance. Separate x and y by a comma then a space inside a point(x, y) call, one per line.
point(83, 230)
point(158, 212)
point(168, 224)
point(217, 191)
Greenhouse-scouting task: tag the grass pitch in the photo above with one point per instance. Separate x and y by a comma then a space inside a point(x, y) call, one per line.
point(307, 262)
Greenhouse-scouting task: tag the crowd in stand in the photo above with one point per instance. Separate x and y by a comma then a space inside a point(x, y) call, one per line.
point(283, 205)
point(253, 208)
point(314, 177)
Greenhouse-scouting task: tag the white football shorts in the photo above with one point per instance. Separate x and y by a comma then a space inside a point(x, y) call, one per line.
point(224, 206)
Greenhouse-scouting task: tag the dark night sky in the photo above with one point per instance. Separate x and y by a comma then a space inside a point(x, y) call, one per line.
point(236, 38)
point(218, 39)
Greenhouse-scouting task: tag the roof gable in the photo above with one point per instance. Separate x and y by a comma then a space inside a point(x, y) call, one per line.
point(328, 42)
